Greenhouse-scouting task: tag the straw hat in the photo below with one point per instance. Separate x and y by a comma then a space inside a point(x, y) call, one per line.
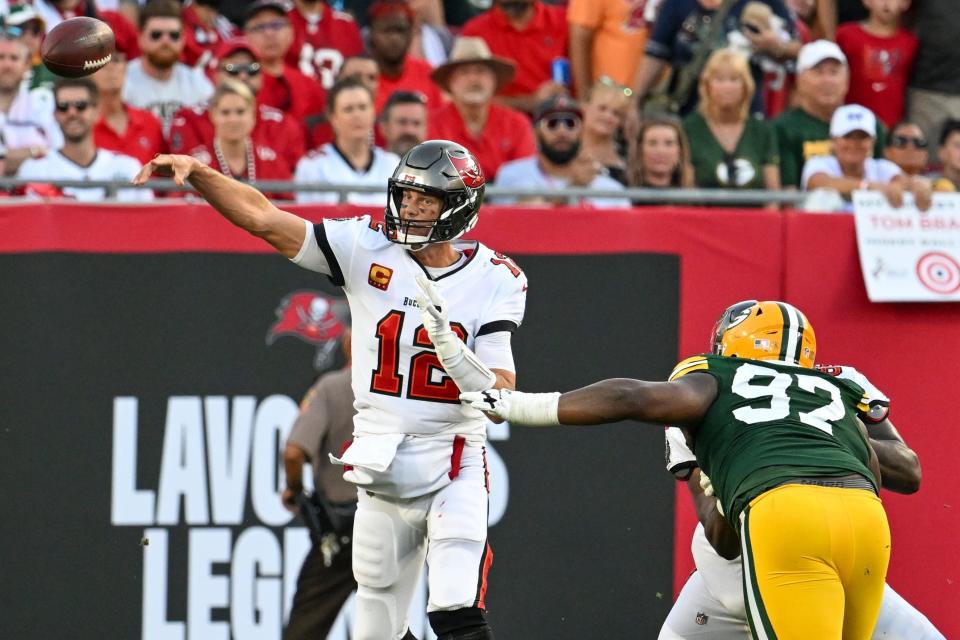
point(468, 50)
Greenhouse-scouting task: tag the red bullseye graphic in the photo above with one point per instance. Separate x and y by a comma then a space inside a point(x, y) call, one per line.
point(939, 272)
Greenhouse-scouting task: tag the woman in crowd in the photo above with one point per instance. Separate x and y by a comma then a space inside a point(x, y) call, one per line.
point(729, 148)
point(233, 152)
point(603, 116)
point(352, 157)
point(661, 156)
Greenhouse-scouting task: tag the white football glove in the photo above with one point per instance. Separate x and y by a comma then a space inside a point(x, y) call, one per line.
point(458, 361)
point(707, 487)
point(531, 409)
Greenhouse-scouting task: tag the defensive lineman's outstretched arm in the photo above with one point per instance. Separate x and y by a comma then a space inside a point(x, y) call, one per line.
point(239, 203)
point(681, 402)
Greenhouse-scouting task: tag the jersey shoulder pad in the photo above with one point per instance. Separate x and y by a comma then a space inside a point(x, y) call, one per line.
point(695, 363)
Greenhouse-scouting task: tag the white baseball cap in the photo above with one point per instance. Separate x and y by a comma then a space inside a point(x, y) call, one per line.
point(815, 52)
point(850, 118)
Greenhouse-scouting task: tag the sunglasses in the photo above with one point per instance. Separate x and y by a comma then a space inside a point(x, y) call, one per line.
point(156, 34)
point(607, 81)
point(233, 69)
point(274, 25)
point(901, 142)
point(79, 105)
point(567, 123)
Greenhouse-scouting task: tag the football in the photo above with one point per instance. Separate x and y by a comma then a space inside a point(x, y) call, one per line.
point(77, 47)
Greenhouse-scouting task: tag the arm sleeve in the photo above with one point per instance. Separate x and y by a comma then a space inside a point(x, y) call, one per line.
point(875, 406)
point(585, 13)
point(311, 256)
point(312, 422)
point(680, 460)
point(494, 350)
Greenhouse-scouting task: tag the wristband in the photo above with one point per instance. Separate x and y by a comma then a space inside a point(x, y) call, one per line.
point(534, 409)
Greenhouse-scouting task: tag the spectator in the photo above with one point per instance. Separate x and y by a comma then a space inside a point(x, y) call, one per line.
point(804, 131)
point(606, 40)
point(494, 134)
point(391, 27)
point(362, 66)
point(233, 151)
point(322, 38)
point(79, 158)
point(661, 157)
point(25, 18)
point(27, 124)
point(431, 39)
point(949, 179)
point(351, 158)
point(284, 87)
point(603, 116)
point(729, 149)
point(907, 148)
point(852, 168)
point(53, 12)
point(880, 54)
point(559, 163)
point(204, 28)
point(934, 95)
point(403, 121)
point(120, 127)
point(816, 19)
point(238, 59)
point(157, 80)
point(677, 40)
point(531, 34)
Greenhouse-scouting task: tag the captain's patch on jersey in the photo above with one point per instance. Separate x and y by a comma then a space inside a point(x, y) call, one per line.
point(379, 276)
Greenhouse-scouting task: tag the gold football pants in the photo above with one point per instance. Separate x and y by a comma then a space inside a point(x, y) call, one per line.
point(814, 562)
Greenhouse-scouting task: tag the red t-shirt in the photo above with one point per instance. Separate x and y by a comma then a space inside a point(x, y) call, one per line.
point(142, 140)
point(200, 41)
point(293, 93)
point(507, 136)
point(320, 47)
point(415, 77)
point(879, 69)
point(192, 127)
point(532, 49)
point(268, 164)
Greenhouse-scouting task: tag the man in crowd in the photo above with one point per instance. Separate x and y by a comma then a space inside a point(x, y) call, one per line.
point(324, 424)
point(934, 95)
point(322, 38)
point(238, 59)
point(403, 121)
point(907, 148)
point(559, 163)
point(79, 158)
point(803, 132)
point(27, 125)
point(157, 80)
point(494, 133)
point(122, 128)
point(32, 29)
point(204, 28)
point(531, 34)
point(284, 87)
point(949, 155)
point(391, 24)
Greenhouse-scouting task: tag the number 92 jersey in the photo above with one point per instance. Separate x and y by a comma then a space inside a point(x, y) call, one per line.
point(773, 421)
point(398, 382)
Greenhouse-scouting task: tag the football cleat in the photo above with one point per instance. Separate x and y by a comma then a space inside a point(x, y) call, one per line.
point(767, 330)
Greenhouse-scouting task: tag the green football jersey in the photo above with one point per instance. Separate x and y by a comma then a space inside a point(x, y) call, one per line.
point(771, 422)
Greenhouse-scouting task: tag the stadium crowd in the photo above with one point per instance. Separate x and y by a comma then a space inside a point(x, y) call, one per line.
point(828, 96)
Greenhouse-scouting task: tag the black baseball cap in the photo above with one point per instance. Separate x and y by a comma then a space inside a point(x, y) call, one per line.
point(279, 6)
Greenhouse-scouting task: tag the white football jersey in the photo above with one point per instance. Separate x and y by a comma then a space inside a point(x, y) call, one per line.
point(399, 384)
point(106, 165)
point(328, 165)
point(186, 87)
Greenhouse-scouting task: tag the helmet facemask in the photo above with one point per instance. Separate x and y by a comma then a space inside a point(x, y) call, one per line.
point(445, 170)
